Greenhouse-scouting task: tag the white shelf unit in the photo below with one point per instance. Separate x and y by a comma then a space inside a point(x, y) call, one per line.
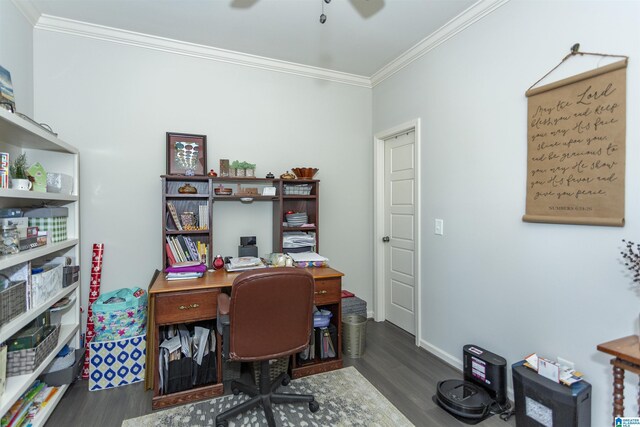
point(19, 136)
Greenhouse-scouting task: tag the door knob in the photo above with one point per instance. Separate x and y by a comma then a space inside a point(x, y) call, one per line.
point(385, 239)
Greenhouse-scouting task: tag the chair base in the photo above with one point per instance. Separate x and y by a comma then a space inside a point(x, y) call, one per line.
point(265, 395)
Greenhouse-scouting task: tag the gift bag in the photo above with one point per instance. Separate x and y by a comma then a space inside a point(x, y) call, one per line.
point(120, 314)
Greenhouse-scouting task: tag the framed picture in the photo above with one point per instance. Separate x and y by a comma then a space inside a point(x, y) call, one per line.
point(7, 101)
point(186, 154)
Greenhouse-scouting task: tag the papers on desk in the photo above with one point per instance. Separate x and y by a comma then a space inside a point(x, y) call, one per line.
point(552, 370)
point(244, 263)
point(308, 259)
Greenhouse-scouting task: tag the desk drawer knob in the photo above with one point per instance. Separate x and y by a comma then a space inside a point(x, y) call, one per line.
point(188, 307)
point(322, 292)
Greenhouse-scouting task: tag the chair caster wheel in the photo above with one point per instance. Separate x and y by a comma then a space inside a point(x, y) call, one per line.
point(286, 380)
point(314, 406)
point(235, 391)
point(223, 423)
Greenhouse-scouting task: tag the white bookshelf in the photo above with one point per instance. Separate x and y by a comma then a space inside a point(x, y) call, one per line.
point(19, 136)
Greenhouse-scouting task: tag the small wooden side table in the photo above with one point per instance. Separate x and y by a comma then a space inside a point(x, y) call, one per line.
point(627, 358)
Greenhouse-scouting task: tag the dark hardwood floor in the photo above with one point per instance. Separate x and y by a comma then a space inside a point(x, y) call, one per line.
point(405, 374)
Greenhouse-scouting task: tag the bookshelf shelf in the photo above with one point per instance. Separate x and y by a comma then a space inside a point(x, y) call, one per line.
point(186, 196)
point(176, 232)
point(19, 136)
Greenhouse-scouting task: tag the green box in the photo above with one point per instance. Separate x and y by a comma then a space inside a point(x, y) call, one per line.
point(55, 226)
point(28, 337)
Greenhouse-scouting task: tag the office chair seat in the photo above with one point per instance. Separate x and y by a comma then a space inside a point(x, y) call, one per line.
point(268, 316)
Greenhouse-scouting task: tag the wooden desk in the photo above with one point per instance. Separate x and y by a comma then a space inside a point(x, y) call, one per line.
point(627, 358)
point(183, 301)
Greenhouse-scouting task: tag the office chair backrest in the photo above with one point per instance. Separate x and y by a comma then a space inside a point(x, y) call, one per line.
point(270, 313)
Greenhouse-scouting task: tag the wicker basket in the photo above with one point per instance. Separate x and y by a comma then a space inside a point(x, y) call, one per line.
point(13, 301)
point(22, 362)
point(299, 189)
point(276, 367)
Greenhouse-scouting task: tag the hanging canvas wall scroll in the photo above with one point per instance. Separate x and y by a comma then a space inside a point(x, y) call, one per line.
point(576, 148)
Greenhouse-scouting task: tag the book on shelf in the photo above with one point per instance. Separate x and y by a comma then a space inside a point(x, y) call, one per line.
point(184, 249)
point(203, 216)
point(174, 215)
point(170, 257)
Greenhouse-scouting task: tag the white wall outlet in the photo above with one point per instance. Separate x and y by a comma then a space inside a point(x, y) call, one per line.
point(439, 227)
point(565, 364)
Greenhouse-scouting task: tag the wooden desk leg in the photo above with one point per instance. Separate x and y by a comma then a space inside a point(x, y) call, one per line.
point(618, 392)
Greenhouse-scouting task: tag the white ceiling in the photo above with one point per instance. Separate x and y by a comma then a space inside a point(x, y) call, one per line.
point(286, 30)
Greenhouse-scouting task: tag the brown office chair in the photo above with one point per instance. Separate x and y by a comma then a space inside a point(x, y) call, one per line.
point(268, 316)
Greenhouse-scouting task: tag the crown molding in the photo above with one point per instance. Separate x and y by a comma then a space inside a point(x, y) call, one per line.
point(474, 13)
point(114, 35)
point(28, 10)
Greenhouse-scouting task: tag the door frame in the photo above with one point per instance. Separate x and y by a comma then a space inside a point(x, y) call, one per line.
point(378, 220)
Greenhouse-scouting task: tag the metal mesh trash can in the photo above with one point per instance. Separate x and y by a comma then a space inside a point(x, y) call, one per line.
point(354, 328)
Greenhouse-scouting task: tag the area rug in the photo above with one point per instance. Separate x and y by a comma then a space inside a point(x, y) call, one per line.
point(346, 399)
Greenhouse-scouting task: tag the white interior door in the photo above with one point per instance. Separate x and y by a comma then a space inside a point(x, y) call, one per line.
point(399, 225)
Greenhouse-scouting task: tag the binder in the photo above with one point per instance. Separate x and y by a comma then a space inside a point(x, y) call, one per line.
point(324, 343)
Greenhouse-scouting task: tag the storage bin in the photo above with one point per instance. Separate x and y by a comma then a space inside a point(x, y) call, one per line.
point(354, 328)
point(46, 284)
point(26, 361)
point(298, 189)
point(56, 227)
point(13, 301)
point(116, 363)
point(66, 375)
point(231, 370)
point(59, 183)
point(321, 318)
point(276, 367)
point(71, 274)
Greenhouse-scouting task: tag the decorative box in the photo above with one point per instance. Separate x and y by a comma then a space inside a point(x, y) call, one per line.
point(59, 183)
point(55, 226)
point(46, 284)
point(50, 219)
point(116, 363)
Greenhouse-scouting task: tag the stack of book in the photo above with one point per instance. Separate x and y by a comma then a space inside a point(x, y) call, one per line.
point(185, 270)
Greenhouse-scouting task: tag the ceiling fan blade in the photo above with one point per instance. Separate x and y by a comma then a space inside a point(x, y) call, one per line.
point(243, 4)
point(367, 8)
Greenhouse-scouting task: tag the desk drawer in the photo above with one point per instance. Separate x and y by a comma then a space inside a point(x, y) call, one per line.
point(327, 291)
point(180, 307)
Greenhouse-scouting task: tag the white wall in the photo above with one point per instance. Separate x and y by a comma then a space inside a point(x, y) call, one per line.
point(513, 287)
point(115, 103)
point(16, 55)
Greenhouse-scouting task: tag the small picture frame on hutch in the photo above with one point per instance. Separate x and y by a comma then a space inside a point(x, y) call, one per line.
point(186, 154)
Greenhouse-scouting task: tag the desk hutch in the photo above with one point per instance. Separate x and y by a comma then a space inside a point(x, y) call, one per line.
point(184, 301)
